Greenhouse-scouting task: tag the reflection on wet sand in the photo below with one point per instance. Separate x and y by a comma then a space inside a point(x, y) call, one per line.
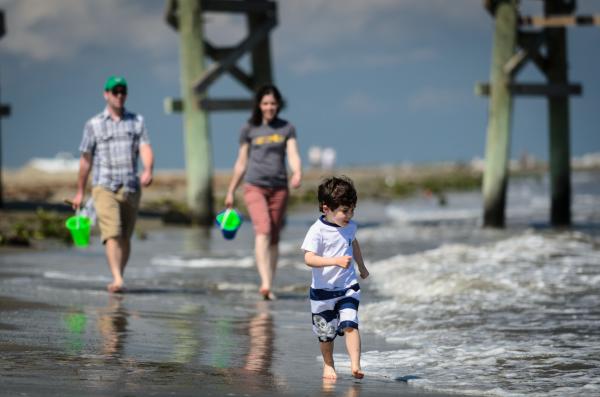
point(112, 324)
point(330, 388)
point(187, 344)
point(260, 350)
point(75, 322)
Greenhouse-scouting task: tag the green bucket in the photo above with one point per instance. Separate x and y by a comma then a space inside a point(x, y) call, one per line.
point(79, 226)
point(229, 221)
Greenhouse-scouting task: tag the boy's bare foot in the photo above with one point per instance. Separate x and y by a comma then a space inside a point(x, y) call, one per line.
point(267, 294)
point(329, 372)
point(115, 287)
point(358, 373)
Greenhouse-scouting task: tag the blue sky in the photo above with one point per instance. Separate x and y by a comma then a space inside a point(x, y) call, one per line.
point(382, 81)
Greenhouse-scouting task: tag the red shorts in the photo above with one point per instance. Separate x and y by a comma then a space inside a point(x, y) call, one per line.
point(266, 207)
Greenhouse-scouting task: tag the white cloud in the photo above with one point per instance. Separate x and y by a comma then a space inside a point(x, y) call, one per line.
point(312, 35)
point(59, 30)
point(329, 23)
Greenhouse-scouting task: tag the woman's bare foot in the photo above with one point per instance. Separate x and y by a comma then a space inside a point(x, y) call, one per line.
point(115, 287)
point(267, 294)
point(358, 373)
point(329, 372)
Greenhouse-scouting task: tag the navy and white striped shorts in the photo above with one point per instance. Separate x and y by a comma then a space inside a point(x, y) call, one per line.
point(334, 311)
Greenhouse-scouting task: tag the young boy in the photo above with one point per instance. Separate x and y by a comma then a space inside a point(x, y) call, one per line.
point(329, 247)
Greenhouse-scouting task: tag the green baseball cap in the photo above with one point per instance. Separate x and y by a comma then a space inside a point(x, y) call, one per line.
point(114, 81)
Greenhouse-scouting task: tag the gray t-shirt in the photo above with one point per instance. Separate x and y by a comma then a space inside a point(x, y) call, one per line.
point(266, 161)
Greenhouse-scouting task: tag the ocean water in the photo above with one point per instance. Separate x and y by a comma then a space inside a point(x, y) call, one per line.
point(456, 308)
point(501, 313)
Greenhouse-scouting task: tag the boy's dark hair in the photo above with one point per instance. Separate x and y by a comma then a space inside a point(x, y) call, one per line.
point(335, 191)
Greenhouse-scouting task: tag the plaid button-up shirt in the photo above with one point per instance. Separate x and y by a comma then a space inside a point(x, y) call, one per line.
point(114, 146)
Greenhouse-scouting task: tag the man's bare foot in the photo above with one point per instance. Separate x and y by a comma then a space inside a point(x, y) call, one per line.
point(115, 287)
point(329, 385)
point(329, 372)
point(267, 294)
point(358, 373)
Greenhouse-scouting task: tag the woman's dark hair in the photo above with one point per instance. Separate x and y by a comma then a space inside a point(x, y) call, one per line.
point(336, 191)
point(267, 89)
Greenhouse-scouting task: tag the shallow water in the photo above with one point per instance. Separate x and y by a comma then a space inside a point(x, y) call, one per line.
point(512, 312)
point(450, 307)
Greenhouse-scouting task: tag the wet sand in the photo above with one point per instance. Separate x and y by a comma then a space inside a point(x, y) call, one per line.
point(67, 339)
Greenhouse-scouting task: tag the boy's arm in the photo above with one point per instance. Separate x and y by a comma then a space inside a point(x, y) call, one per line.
point(364, 273)
point(314, 260)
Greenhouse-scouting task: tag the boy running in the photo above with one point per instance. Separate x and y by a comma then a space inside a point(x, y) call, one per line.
point(329, 247)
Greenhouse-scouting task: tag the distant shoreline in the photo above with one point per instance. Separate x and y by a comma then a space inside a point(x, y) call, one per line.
point(35, 210)
point(31, 185)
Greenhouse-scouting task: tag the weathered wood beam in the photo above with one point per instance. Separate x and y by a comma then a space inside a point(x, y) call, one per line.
point(238, 6)
point(217, 68)
point(495, 176)
point(516, 63)
point(219, 53)
point(226, 104)
point(172, 105)
point(4, 110)
point(531, 43)
point(559, 21)
point(534, 89)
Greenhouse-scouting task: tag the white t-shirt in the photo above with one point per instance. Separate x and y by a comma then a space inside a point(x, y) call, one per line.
point(329, 240)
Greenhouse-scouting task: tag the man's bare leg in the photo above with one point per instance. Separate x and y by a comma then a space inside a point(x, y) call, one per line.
point(126, 246)
point(261, 250)
point(353, 345)
point(328, 364)
point(114, 256)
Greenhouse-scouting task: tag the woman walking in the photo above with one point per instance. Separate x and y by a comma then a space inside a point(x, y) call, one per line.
point(264, 143)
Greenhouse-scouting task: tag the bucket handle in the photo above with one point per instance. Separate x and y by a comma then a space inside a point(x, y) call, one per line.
point(225, 216)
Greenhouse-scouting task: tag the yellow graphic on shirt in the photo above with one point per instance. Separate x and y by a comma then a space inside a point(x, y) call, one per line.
point(263, 140)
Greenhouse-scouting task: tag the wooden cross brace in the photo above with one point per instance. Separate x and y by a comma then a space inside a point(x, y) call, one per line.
point(225, 59)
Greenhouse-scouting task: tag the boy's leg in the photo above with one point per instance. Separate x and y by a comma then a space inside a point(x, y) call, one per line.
point(353, 346)
point(328, 365)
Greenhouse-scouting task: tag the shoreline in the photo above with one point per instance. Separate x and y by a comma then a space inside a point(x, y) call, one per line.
point(34, 208)
point(30, 185)
point(131, 344)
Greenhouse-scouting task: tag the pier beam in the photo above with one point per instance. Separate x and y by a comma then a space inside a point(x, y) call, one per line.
point(559, 120)
point(198, 150)
point(4, 112)
point(186, 17)
point(499, 124)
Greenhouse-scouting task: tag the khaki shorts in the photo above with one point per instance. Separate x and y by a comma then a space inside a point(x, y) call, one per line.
point(116, 211)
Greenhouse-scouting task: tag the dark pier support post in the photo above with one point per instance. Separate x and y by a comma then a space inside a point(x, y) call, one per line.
point(198, 150)
point(261, 53)
point(4, 112)
point(499, 125)
point(558, 107)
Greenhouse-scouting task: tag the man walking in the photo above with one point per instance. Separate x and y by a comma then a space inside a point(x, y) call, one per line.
point(112, 143)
